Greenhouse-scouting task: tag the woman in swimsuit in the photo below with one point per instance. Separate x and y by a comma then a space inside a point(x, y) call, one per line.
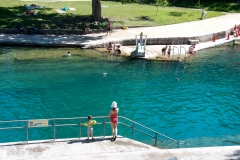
point(114, 119)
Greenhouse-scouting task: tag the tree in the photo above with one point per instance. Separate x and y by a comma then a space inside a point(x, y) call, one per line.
point(161, 3)
point(96, 10)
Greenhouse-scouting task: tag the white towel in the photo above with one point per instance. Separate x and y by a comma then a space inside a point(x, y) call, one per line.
point(104, 6)
point(60, 11)
point(72, 9)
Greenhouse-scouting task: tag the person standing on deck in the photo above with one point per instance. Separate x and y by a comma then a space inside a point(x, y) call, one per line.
point(114, 119)
point(109, 27)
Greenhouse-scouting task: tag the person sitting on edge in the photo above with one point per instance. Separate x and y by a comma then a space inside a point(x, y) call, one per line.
point(68, 54)
point(235, 33)
point(118, 50)
point(20, 28)
point(89, 30)
point(34, 28)
point(110, 47)
point(191, 49)
point(164, 51)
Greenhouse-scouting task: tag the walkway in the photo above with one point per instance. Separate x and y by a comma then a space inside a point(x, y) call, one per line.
point(188, 29)
point(104, 149)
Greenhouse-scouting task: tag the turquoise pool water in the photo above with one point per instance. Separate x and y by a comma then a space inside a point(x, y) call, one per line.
point(202, 108)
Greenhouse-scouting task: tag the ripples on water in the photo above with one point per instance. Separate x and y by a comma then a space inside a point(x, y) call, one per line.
point(201, 108)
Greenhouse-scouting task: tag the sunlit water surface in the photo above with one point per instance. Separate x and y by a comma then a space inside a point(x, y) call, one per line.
point(202, 108)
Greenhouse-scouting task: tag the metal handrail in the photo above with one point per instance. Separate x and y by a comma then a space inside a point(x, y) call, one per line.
point(79, 124)
point(149, 129)
point(173, 52)
point(145, 42)
point(185, 51)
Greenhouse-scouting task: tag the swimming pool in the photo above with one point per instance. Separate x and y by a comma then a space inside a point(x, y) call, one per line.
point(202, 108)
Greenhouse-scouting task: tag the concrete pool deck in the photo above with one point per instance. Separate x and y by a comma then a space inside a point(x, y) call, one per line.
point(103, 149)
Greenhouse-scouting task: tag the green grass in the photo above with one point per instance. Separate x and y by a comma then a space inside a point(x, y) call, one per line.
point(212, 6)
point(127, 14)
point(222, 7)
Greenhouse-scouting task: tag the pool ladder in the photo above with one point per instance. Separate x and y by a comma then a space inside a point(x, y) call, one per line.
point(179, 53)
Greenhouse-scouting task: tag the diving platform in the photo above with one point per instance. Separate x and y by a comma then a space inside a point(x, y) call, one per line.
point(140, 46)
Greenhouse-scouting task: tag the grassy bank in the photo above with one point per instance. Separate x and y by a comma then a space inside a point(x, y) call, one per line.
point(220, 7)
point(12, 12)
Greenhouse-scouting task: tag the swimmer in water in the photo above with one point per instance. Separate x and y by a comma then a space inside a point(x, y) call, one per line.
point(68, 54)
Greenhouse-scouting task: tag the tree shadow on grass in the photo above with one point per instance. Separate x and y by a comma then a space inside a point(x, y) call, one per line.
point(222, 7)
point(177, 14)
point(10, 16)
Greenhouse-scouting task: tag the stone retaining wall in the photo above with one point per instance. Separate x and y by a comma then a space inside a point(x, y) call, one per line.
point(47, 31)
point(126, 42)
point(169, 41)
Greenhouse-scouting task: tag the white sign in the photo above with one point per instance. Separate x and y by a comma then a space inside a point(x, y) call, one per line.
point(38, 123)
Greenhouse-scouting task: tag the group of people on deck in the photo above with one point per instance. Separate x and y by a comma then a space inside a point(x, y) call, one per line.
point(115, 48)
point(166, 49)
point(169, 49)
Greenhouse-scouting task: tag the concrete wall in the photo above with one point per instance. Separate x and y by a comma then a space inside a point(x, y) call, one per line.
point(127, 42)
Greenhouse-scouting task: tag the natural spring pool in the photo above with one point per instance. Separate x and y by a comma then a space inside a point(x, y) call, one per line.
point(202, 108)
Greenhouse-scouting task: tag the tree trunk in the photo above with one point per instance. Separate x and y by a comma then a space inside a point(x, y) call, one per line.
point(96, 10)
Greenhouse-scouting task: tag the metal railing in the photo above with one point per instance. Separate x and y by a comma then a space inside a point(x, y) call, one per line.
point(178, 52)
point(54, 121)
point(185, 57)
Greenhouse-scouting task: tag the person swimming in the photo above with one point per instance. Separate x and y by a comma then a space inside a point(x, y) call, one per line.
point(68, 54)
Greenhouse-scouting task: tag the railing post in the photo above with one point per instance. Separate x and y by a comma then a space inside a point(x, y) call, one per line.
point(156, 139)
point(80, 128)
point(185, 51)
point(104, 126)
point(54, 125)
point(132, 129)
point(27, 132)
point(173, 53)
